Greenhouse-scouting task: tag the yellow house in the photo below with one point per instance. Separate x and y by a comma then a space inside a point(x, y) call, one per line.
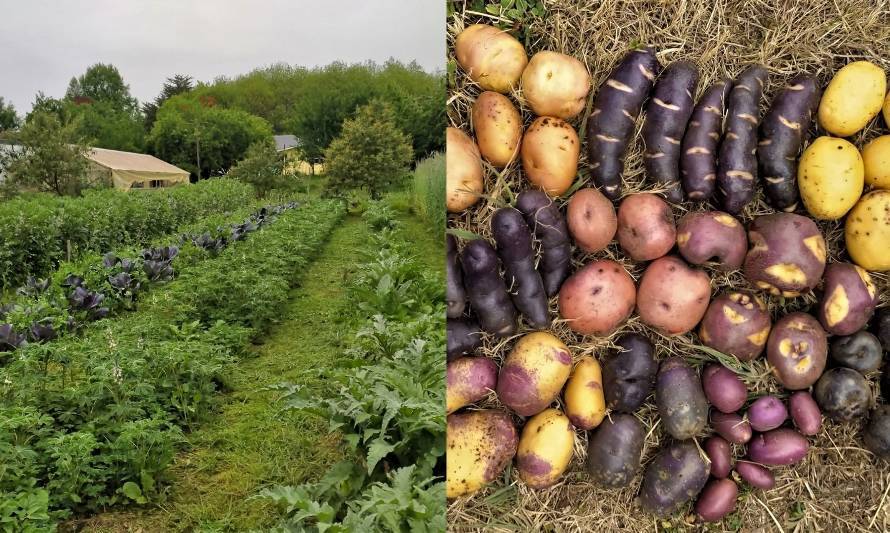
point(287, 146)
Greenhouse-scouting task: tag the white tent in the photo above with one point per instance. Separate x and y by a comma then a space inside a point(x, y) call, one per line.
point(128, 170)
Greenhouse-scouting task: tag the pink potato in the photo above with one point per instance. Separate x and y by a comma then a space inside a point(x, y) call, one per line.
point(598, 298)
point(592, 220)
point(712, 237)
point(719, 452)
point(805, 413)
point(673, 296)
point(469, 380)
point(716, 500)
point(736, 323)
point(849, 299)
point(779, 447)
point(723, 388)
point(731, 427)
point(646, 228)
point(756, 475)
point(766, 413)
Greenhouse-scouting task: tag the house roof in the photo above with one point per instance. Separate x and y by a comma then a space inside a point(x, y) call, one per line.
point(117, 160)
point(286, 142)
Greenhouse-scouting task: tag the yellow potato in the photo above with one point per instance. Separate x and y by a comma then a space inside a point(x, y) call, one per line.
point(479, 445)
point(867, 231)
point(830, 177)
point(545, 448)
point(585, 403)
point(533, 374)
point(876, 158)
point(852, 98)
point(463, 168)
point(887, 110)
point(555, 85)
point(491, 57)
point(549, 152)
point(498, 128)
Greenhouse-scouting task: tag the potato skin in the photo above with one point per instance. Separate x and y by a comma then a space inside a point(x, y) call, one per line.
point(545, 448)
point(498, 128)
point(486, 290)
point(786, 255)
point(533, 373)
point(584, 401)
point(549, 154)
point(547, 223)
point(853, 97)
point(779, 447)
point(731, 427)
point(680, 399)
point(673, 296)
point(491, 57)
point(849, 299)
point(555, 85)
point(805, 413)
point(698, 159)
point(463, 182)
point(526, 289)
point(703, 236)
point(719, 452)
point(876, 161)
point(674, 477)
point(716, 500)
point(629, 373)
point(646, 228)
point(598, 298)
point(797, 349)
point(736, 323)
point(843, 394)
point(756, 475)
point(479, 445)
point(723, 388)
point(469, 380)
point(455, 294)
point(830, 177)
point(614, 451)
point(592, 220)
point(860, 351)
point(766, 413)
point(463, 337)
point(876, 436)
point(867, 231)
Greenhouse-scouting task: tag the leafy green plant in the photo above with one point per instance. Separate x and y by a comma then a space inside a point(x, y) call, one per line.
point(428, 190)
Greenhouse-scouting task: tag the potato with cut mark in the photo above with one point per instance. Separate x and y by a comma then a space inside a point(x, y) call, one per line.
point(533, 373)
point(849, 299)
point(585, 403)
point(479, 445)
point(491, 57)
point(786, 254)
point(549, 153)
point(555, 85)
point(736, 323)
point(498, 128)
point(545, 448)
point(797, 350)
point(712, 237)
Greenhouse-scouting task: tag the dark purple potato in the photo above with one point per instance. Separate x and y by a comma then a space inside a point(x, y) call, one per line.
point(805, 413)
point(843, 394)
point(629, 373)
point(463, 337)
point(756, 475)
point(716, 500)
point(736, 323)
point(614, 451)
point(731, 427)
point(779, 447)
point(698, 162)
point(514, 241)
point(849, 299)
point(549, 226)
point(876, 436)
point(680, 399)
point(797, 349)
point(882, 328)
point(766, 413)
point(712, 237)
point(486, 290)
point(860, 351)
point(455, 295)
point(674, 477)
point(786, 254)
point(719, 452)
point(723, 388)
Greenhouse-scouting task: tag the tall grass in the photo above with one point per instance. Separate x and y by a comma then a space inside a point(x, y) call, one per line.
point(429, 190)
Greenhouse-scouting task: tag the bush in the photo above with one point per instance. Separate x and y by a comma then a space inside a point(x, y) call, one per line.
point(262, 167)
point(429, 190)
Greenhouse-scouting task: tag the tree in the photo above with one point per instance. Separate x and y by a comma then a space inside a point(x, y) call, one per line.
point(261, 167)
point(178, 84)
point(371, 152)
point(9, 120)
point(102, 83)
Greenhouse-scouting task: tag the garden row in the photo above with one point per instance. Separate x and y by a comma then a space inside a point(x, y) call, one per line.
point(93, 420)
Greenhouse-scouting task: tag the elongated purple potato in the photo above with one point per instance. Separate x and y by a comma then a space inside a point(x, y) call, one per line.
point(674, 477)
point(698, 160)
point(782, 134)
point(462, 337)
point(779, 447)
point(667, 114)
point(756, 475)
point(615, 109)
point(719, 452)
point(514, 241)
point(486, 290)
point(736, 161)
point(455, 295)
point(549, 226)
point(805, 413)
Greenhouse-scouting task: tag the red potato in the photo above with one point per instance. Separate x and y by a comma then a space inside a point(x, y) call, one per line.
point(716, 500)
point(592, 220)
point(756, 475)
point(797, 349)
point(598, 298)
point(849, 299)
point(731, 427)
point(786, 255)
point(766, 413)
point(736, 323)
point(469, 379)
point(646, 228)
point(805, 413)
point(723, 388)
point(719, 452)
point(673, 297)
point(779, 447)
point(712, 237)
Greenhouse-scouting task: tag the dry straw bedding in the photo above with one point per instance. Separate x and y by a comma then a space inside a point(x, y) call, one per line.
point(839, 486)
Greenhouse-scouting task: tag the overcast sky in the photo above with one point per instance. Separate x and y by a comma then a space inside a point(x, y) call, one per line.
point(44, 43)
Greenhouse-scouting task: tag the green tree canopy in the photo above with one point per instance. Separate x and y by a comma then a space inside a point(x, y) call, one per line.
point(102, 83)
point(9, 120)
point(178, 84)
point(262, 167)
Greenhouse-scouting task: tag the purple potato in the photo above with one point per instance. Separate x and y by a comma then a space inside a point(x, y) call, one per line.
point(469, 379)
point(486, 290)
point(674, 477)
point(463, 337)
point(778, 447)
point(876, 436)
point(731, 427)
point(797, 349)
point(680, 399)
point(786, 254)
point(723, 388)
point(455, 295)
point(860, 351)
point(614, 451)
point(805, 413)
point(698, 162)
point(736, 323)
point(849, 299)
point(716, 500)
point(843, 394)
point(756, 475)
point(719, 452)
point(766, 413)
point(549, 226)
point(514, 242)
point(712, 237)
point(629, 373)
point(882, 328)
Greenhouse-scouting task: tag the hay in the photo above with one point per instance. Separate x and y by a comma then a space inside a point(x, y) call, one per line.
point(839, 486)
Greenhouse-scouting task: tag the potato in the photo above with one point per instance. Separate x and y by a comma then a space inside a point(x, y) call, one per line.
point(756, 475)
point(830, 177)
point(491, 57)
point(498, 128)
point(463, 167)
point(673, 296)
point(849, 299)
point(719, 452)
point(674, 477)
point(786, 255)
point(766, 413)
point(852, 98)
point(598, 298)
point(723, 388)
point(867, 231)
point(549, 153)
point(731, 427)
point(545, 448)
point(646, 228)
point(555, 85)
point(882, 327)
point(592, 220)
point(876, 436)
point(797, 349)
point(805, 413)
point(860, 351)
point(876, 160)
point(843, 394)
point(716, 500)
point(463, 337)
point(629, 373)
point(887, 109)
point(469, 380)
point(614, 451)
point(736, 323)
point(479, 445)
point(584, 401)
point(712, 237)
point(533, 373)
point(779, 447)
point(680, 399)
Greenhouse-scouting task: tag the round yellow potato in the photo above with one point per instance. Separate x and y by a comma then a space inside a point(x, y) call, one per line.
point(876, 158)
point(463, 167)
point(479, 445)
point(549, 153)
point(555, 85)
point(867, 231)
point(852, 98)
point(545, 448)
point(887, 110)
point(533, 374)
point(491, 57)
point(498, 128)
point(585, 402)
point(830, 177)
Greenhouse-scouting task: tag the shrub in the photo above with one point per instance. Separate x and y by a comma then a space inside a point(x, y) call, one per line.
point(261, 167)
point(428, 188)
